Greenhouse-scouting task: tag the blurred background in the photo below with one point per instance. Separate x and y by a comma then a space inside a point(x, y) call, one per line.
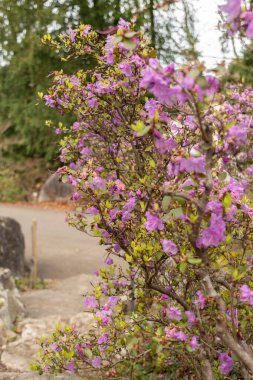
point(181, 31)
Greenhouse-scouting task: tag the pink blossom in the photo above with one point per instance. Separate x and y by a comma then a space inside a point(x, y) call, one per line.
point(71, 366)
point(86, 30)
point(193, 165)
point(191, 317)
point(169, 247)
point(153, 223)
point(232, 8)
point(194, 343)
point(92, 211)
point(248, 17)
point(72, 35)
point(126, 69)
point(246, 295)
point(129, 205)
point(250, 170)
point(96, 362)
point(49, 101)
point(92, 102)
point(151, 106)
point(54, 347)
point(108, 261)
point(99, 182)
point(75, 196)
point(237, 135)
point(91, 302)
point(180, 335)
point(213, 235)
point(123, 24)
point(226, 363)
point(201, 299)
point(173, 333)
point(174, 313)
point(164, 145)
point(103, 339)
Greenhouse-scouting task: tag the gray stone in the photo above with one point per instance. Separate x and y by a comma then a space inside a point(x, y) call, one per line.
point(55, 190)
point(18, 355)
point(12, 246)
point(11, 306)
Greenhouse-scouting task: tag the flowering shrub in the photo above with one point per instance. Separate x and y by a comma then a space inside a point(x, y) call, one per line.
point(161, 160)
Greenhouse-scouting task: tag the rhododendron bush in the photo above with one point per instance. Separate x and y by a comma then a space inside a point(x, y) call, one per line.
point(161, 160)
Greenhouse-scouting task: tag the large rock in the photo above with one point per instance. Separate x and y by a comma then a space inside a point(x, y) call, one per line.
point(54, 190)
point(12, 246)
point(11, 306)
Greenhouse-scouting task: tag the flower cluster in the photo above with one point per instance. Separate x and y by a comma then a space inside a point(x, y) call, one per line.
point(238, 17)
point(161, 162)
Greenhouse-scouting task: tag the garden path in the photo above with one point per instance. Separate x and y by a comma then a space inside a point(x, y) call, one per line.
point(67, 257)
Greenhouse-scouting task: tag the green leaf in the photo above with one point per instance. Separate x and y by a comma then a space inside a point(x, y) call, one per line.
point(65, 178)
point(129, 44)
point(165, 202)
point(179, 200)
point(129, 258)
point(227, 200)
point(222, 176)
point(88, 352)
point(144, 131)
point(152, 164)
point(130, 34)
point(183, 267)
point(194, 261)
point(176, 213)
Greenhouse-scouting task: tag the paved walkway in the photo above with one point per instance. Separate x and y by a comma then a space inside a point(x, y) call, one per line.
point(70, 258)
point(62, 250)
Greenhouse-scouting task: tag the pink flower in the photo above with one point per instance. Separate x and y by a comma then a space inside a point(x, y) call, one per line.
point(153, 223)
point(213, 235)
point(237, 135)
point(175, 334)
point(92, 211)
point(165, 145)
point(232, 8)
point(164, 297)
point(71, 366)
point(174, 313)
point(169, 247)
point(201, 299)
point(191, 317)
point(151, 106)
point(103, 338)
point(91, 302)
point(108, 261)
point(226, 363)
point(194, 342)
point(75, 196)
point(129, 205)
point(179, 335)
point(96, 362)
point(246, 295)
point(72, 35)
point(248, 17)
point(99, 182)
point(54, 347)
point(126, 69)
point(86, 30)
point(193, 165)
